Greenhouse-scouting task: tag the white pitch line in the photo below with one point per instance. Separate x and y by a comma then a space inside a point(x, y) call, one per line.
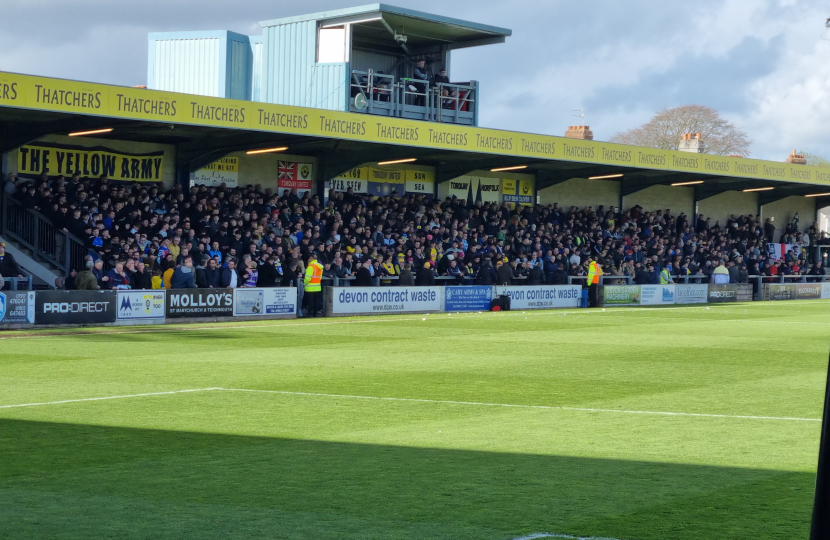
point(107, 397)
point(568, 536)
point(518, 406)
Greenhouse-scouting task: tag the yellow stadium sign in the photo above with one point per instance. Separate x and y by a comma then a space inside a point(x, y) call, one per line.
point(54, 160)
point(40, 93)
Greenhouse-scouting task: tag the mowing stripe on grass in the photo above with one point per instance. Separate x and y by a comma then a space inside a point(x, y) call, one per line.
point(107, 397)
point(512, 405)
point(418, 400)
point(548, 535)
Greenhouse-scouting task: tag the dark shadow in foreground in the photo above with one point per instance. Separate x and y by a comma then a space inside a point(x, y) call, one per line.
point(81, 481)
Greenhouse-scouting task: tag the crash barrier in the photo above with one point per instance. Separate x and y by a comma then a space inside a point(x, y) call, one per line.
point(20, 309)
point(661, 295)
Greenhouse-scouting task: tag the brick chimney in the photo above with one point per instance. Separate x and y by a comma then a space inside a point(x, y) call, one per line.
point(796, 158)
point(580, 132)
point(691, 142)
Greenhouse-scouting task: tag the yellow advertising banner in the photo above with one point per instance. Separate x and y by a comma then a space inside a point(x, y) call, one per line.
point(40, 93)
point(53, 159)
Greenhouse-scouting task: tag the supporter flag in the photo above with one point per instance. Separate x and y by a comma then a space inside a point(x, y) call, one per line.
point(293, 175)
point(778, 251)
point(287, 170)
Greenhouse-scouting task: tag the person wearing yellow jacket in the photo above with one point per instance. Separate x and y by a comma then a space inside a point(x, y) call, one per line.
point(312, 285)
point(594, 273)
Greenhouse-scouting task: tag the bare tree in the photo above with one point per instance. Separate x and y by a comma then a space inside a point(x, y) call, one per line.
point(667, 127)
point(815, 160)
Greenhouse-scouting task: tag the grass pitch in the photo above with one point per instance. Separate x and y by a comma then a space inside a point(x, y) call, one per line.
point(311, 454)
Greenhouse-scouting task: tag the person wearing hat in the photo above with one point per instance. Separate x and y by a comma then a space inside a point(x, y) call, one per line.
point(504, 272)
point(86, 280)
point(363, 276)
point(426, 275)
point(313, 286)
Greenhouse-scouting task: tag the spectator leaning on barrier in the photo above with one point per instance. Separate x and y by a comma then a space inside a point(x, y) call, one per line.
point(85, 280)
point(665, 277)
point(406, 279)
point(183, 276)
point(117, 278)
point(720, 274)
point(230, 276)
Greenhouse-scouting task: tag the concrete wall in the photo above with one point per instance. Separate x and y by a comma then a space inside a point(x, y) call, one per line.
point(784, 210)
point(723, 205)
point(168, 173)
point(582, 192)
point(678, 199)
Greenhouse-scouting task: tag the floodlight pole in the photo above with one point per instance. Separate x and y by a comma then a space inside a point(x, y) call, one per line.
point(820, 529)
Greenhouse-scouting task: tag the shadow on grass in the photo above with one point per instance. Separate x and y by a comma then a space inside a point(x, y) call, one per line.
point(81, 481)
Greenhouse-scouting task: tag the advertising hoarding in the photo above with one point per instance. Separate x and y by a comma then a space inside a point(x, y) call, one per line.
point(380, 300)
point(200, 303)
point(75, 307)
point(542, 296)
point(141, 304)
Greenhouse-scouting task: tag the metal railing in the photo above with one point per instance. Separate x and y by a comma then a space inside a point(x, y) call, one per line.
point(46, 241)
point(381, 94)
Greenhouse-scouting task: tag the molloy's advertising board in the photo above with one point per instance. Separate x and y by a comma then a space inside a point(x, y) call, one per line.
point(17, 307)
point(623, 295)
point(379, 300)
point(468, 298)
point(222, 171)
point(60, 159)
point(200, 303)
point(795, 291)
point(272, 301)
point(656, 295)
point(140, 304)
point(49, 94)
point(690, 294)
point(75, 307)
point(542, 296)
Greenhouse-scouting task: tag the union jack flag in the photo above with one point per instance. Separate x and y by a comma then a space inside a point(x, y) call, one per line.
point(287, 170)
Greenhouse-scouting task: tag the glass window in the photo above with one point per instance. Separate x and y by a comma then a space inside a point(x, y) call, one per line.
point(331, 45)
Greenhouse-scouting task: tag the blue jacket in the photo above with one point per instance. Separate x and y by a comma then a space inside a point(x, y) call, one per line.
point(183, 278)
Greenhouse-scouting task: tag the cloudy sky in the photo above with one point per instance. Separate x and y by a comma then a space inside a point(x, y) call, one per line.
point(765, 64)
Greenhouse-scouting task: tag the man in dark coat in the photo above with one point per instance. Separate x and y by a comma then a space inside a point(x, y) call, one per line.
point(183, 277)
point(268, 275)
point(363, 277)
point(142, 277)
point(536, 276)
point(8, 266)
point(406, 279)
point(426, 276)
point(213, 275)
point(486, 274)
point(505, 273)
point(230, 277)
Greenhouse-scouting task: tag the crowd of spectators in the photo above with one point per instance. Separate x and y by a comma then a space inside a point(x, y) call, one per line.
point(141, 236)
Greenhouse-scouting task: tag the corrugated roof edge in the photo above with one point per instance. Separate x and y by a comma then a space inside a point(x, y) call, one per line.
point(385, 8)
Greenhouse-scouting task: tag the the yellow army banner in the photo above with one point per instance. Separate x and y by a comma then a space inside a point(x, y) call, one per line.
point(53, 160)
